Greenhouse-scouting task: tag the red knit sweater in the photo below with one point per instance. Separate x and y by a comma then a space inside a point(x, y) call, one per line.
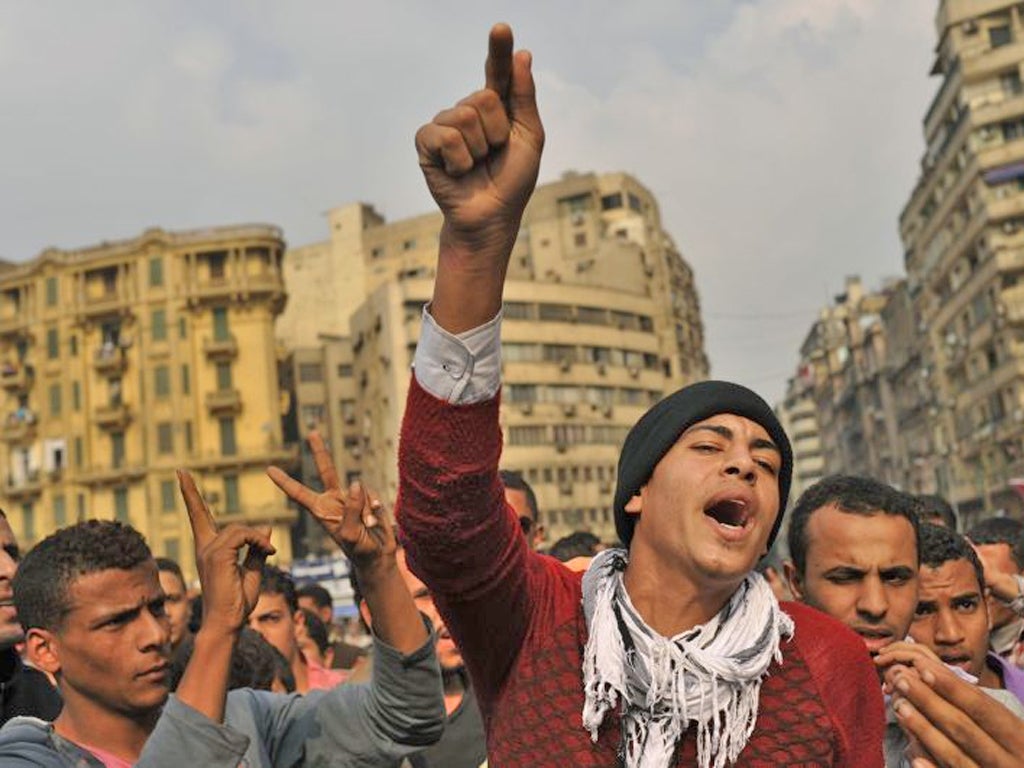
point(518, 618)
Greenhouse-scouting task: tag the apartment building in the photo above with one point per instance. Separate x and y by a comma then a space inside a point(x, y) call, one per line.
point(123, 361)
point(963, 233)
point(601, 319)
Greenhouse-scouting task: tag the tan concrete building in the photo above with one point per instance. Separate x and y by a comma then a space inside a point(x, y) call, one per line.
point(601, 320)
point(844, 370)
point(798, 414)
point(123, 361)
point(963, 233)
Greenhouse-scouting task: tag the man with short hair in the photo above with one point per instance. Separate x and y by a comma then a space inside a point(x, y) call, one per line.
point(670, 653)
point(90, 598)
point(999, 542)
point(176, 602)
point(315, 598)
point(952, 617)
point(520, 496)
point(936, 510)
point(277, 617)
point(23, 690)
point(853, 543)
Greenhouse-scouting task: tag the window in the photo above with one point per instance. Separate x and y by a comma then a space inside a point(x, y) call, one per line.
point(634, 203)
point(227, 437)
point(78, 451)
point(73, 346)
point(608, 202)
point(55, 400)
point(60, 512)
point(231, 501)
point(311, 372)
point(158, 324)
point(408, 245)
point(51, 292)
point(186, 380)
point(348, 411)
point(1000, 36)
point(188, 435)
point(121, 504)
point(81, 507)
point(561, 312)
point(28, 521)
point(156, 272)
point(52, 344)
point(580, 239)
point(172, 548)
point(516, 310)
point(164, 438)
point(220, 324)
point(223, 376)
point(76, 396)
point(116, 449)
point(162, 381)
point(182, 327)
point(168, 496)
point(344, 370)
point(313, 415)
point(217, 264)
point(1010, 82)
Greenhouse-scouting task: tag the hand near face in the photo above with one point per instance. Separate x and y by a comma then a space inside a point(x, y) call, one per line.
point(354, 518)
point(230, 588)
point(950, 722)
point(481, 157)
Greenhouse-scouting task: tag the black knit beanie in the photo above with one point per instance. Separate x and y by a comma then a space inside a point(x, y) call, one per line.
point(660, 428)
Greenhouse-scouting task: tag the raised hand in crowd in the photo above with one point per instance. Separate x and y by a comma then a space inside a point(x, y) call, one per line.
point(480, 159)
point(356, 520)
point(951, 723)
point(231, 587)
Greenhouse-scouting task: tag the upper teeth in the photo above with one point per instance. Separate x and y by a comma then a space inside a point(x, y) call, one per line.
point(730, 525)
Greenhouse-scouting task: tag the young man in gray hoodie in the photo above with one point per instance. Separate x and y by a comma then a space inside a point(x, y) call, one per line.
point(93, 610)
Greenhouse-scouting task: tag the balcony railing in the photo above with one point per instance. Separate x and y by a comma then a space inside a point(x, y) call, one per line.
point(224, 401)
point(110, 475)
point(221, 348)
point(19, 426)
point(15, 378)
point(109, 359)
point(112, 415)
point(29, 485)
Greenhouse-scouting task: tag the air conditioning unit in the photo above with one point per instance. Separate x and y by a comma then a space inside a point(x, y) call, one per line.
point(1009, 227)
point(561, 446)
point(634, 371)
point(607, 411)
point(969, 27)
point(602, 369)
point(569, 409)
point(526, 409)
point(564, 365)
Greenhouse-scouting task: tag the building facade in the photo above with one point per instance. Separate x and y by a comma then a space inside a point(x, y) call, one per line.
point(123, 361)
point(601, 320)
point(963, 234)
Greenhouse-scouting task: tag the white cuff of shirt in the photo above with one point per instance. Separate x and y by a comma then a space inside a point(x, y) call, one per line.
point(459, 368)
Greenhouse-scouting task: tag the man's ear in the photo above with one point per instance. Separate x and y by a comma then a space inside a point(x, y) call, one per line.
point(43, 650)
point(364, 612)
point(636, 504)
point(793, 580)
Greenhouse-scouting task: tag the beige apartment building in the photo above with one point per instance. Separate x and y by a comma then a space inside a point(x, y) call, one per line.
point(963, 233)
point(798, 414)
point(123, 361)
point(601, 320)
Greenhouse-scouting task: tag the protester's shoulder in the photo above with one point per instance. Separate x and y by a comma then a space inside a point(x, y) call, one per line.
point(26, 741)
point(823, 639)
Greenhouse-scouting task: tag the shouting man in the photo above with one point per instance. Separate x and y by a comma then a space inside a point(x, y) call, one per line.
point(669, 653)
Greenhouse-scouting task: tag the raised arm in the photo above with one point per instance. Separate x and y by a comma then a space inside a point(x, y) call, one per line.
point(480, 160)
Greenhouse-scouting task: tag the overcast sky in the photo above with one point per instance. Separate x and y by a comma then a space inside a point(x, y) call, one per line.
point(781, 137)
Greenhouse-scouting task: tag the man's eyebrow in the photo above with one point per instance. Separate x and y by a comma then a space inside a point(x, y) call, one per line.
point(121, 612)
point(718, 429)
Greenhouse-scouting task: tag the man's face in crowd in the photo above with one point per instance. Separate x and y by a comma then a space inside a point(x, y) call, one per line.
point(521, 506)
point(113, 648)
point(307, 603)
point(998, 558)
point(952, 617)
point(862, 570)
point(176, 605)
point(712, 500)
point(448, 654)
point(10, 629)
point(273, 619)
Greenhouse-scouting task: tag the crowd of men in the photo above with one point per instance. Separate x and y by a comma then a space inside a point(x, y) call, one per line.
point(888, 638)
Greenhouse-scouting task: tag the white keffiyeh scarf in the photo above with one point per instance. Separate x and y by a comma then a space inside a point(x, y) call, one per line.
point(710, 675)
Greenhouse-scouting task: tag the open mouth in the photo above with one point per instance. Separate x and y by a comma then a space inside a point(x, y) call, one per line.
point(731, 514)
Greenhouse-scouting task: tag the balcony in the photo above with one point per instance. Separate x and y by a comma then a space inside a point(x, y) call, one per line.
point(20, 488)
point(105, 304)
point(224, 401)
point(221, 349)
point(110, 475)
point(114, 416)
point(284, 456)
point(16, 378)
point(19, 427)
point(14, 325)
point(109, 360)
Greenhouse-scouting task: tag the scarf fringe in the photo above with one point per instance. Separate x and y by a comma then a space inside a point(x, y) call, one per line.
point(664, 684)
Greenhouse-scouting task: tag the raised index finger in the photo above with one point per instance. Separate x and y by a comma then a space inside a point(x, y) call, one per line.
point(324, 462)
point(203, 527)
point(498, 69)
